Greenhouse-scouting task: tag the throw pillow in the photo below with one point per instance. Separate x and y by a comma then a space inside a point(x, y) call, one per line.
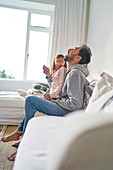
point(108, 105)
point(102, 92)
point(41, 86)
point(94, 107)
point(104, 85)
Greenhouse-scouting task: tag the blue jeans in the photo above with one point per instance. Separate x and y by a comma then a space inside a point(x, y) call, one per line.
point(34, 104)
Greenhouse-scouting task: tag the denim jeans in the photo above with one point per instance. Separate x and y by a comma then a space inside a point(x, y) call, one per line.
point(34, 104)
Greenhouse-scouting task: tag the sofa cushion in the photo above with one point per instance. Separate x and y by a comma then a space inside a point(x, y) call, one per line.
point(78, 141)
point(104, 84)
point(101, 93)
point(86, 143)
point(108, 105)
point(34, 147)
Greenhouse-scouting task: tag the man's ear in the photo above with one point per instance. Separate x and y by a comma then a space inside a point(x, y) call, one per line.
point(78, 58)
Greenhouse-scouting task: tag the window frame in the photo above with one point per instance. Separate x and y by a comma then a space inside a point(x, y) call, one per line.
point(39, 29)
point(32, 28)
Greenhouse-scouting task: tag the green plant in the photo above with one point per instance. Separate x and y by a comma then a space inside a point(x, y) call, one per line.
point(4, 75)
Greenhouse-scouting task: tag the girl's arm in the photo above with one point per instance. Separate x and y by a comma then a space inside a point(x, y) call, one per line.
point(46, 71)
point(61, 73)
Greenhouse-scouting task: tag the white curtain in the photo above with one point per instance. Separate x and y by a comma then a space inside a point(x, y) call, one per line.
point(70, 25)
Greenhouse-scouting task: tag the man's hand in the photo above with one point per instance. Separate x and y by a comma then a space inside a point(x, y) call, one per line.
point(46, 70)
point(47, 96)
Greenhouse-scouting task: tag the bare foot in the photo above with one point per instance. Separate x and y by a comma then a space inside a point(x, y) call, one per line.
point(16, 144)
point(12, 156)
point(14, 136)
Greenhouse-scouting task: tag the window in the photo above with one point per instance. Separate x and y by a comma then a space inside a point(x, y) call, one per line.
point(38, 52)
point(24, 43)
point(40, 20)
point(13, 27)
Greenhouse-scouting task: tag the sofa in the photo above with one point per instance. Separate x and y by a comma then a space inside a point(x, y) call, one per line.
point(81, 140)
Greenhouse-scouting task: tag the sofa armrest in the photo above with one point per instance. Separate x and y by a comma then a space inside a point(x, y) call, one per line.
point(78, 141)
point(86, 143)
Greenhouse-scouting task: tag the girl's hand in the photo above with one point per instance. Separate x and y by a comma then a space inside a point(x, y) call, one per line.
point(46, 71)
point(47, 96)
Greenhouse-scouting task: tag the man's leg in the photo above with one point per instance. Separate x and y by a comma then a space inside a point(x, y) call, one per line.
point(12, 156)
point(15, 135)
point(16, 144)
point(34, 104)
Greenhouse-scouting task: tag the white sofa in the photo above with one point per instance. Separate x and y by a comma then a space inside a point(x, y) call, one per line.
point(81, 140)
point(77, 142)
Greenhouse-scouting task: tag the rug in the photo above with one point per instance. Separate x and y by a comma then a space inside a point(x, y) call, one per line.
point(6, 149)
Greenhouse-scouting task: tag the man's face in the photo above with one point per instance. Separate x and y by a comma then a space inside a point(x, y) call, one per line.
point(72, 54)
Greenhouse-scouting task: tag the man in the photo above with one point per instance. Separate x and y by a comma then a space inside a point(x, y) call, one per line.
point(71, 98)
point(73, 90)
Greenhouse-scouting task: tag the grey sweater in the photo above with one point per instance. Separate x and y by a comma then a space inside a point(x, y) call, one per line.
point(72, 94)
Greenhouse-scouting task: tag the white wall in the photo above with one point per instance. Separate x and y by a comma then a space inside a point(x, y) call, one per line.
point(100, 36)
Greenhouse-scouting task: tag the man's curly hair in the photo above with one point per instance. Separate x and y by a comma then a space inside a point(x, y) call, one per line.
point(86, 54)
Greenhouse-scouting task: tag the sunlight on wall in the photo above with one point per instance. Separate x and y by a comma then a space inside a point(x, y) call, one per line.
point(100, 37)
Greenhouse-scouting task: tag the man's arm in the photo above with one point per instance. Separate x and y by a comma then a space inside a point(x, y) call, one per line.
point(75, 91)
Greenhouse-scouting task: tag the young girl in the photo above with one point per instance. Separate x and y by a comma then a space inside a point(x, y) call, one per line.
point(56, 77)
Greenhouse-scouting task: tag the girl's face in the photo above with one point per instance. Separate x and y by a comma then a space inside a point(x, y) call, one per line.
point(59, 62)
